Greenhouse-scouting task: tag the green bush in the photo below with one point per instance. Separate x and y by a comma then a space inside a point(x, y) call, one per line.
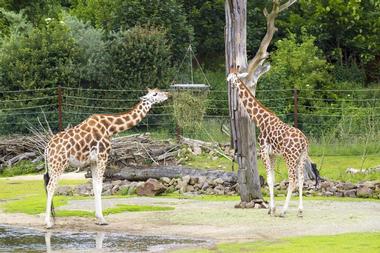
point(122, 15)
point(139, 58)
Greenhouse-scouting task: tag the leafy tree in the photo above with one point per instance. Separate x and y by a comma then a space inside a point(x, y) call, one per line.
point(11, 22)
point(44, 58)
point(139, 58)
point(36, 10)
point(92, 64)
point(122, 15)
point(346, 30)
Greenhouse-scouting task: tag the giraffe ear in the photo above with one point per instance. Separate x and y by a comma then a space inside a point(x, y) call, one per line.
point(149, 90)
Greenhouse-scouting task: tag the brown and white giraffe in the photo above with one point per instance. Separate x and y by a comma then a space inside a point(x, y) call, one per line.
point(276, 138)
point(89, 144)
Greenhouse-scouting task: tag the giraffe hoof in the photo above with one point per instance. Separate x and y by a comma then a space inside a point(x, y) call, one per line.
point(272, 211)
point(300, 213)
point(282, 215)
point(101, 223)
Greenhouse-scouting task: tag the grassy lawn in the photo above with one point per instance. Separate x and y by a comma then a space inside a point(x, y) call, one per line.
point(331, 167)
point(28, 196)
point(344, 243)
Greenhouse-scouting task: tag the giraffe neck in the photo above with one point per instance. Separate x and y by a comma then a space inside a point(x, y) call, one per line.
point(124, 121)
point(256, 111)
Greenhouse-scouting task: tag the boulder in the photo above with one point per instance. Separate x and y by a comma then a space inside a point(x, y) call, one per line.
point(350, 193)
point(152, 187)
point(218, 181)
point(165, 180)
point(64, 191)
point(364, 192)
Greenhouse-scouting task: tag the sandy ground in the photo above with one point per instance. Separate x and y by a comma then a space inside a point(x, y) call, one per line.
point(214, 220)
point(217, 220)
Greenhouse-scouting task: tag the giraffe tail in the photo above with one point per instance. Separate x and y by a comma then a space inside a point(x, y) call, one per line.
point(315, 172)
point(46, 182)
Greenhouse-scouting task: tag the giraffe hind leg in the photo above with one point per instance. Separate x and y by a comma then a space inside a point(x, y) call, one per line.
point(97, 169)
point(292, 183)
point(300, 168)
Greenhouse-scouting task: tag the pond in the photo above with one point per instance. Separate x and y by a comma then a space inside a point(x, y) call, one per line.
point(16, 239)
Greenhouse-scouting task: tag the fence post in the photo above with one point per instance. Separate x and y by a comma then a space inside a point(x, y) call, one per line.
point(295, 113)
point(59, 99)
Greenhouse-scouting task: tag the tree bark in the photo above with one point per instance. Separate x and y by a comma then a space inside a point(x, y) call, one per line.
point(243, 136)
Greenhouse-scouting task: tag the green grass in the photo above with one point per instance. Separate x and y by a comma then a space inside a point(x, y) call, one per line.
point(28, 196)
point(20, 168)
point(177, 195)
point(114, 210)
point(344, 243)
point(331, 167)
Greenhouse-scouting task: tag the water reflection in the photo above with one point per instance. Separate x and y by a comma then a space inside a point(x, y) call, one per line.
point(14, 239)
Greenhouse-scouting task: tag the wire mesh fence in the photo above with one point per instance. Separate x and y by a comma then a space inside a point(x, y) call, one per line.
point(319, 113)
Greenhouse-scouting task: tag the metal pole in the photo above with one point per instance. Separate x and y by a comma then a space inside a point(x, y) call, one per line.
point(59, 98)
point(295, 96)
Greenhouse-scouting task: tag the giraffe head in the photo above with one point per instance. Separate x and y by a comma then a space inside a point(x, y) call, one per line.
point(155, 96)
point(235, 77)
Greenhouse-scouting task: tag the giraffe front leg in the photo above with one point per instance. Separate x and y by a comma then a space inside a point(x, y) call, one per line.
point(97, 184)
point(51, 181)
point(291, 187)
point(300, 184)
point(269, 165)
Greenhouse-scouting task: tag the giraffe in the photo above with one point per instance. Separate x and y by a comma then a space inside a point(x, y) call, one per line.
point(89, 144)
point(275, 138)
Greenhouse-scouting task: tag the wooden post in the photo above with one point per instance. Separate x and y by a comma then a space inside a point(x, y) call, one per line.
point(59, 99)
point(295, 113)
point(243, 136)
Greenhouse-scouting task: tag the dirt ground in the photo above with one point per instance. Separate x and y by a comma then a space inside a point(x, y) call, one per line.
point(217, 220)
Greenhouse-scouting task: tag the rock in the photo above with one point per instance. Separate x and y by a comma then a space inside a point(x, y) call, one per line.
point(350, 193)
point(364, 192)
point(218, 181)
point(205, 186)
point(370, 184)
point(152, 187)
point(170, 189)
point(190, 188)
point(108, 192)
point(328, 194)
point(250, 204)
point(64, 191)
point(219, 190)
point(186, 180)
point(284, 185)
point(83, 190)
point(116, 182)
point(346, 186)
point(165, 180)
point(339, 194)
point(193, 180)
point(202, 180)
point(115, 189)
point(124, 188)
point(326, 185)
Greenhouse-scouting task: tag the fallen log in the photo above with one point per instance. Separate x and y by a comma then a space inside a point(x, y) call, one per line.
point(136, 174)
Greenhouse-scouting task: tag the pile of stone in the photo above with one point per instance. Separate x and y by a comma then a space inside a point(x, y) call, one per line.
point(217, 186)
point(153, 187)
point(367, 189)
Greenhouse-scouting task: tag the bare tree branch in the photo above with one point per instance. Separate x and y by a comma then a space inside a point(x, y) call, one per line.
point(287, 5)
point(254, 70)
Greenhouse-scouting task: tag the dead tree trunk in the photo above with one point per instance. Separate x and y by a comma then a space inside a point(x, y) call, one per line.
point(242, 129)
